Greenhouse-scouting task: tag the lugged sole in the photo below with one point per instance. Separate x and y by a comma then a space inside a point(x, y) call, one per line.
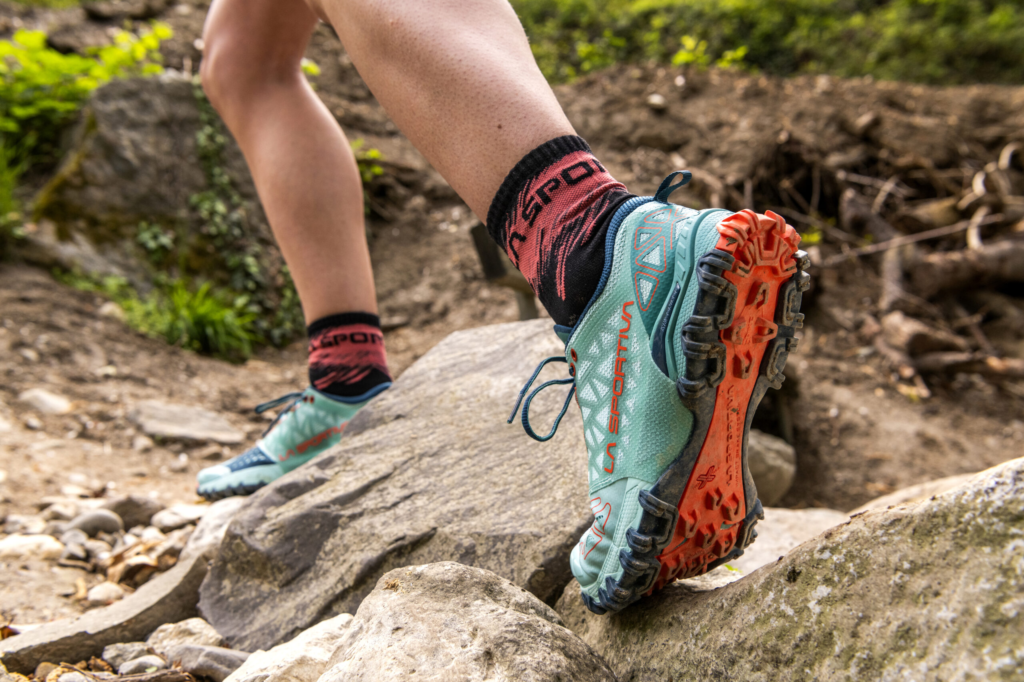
point(703, 509)
point(213, 496)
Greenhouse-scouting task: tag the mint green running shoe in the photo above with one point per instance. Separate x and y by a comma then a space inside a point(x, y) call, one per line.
point(691, 323)
point(310, 424)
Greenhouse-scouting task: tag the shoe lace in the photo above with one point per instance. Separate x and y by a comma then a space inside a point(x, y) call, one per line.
point(294, 397)
point(526, 406)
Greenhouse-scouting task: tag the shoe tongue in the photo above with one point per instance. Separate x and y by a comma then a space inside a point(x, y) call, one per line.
point(651, 264)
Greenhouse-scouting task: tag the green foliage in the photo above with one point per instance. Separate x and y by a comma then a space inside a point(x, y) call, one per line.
point(309, 67)
point(937, 41)
point(154, 239)
point(10, 217)
point(369, 169)
point(367, 160)
point(201, 319)
point(41, 89)
point(50, 4)
point(275, 310)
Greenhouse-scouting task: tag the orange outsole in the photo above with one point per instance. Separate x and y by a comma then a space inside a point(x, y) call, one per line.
point(713, 505)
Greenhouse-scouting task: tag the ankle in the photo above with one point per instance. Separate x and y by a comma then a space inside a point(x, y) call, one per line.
point(551, 216)
point(346, 355)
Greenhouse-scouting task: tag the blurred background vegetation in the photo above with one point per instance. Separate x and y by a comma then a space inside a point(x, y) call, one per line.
point(930, 41)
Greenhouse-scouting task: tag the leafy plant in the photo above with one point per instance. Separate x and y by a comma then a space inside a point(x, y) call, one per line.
point(154, 239)
point(202, 319)
point(367, 160)
point(41, 89)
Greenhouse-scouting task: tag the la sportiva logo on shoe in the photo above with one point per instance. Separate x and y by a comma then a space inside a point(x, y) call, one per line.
point(316, 440)
point(618, 381)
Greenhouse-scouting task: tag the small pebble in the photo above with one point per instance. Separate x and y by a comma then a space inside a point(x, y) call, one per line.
point(179, 464)
point(23, 524)
point(657, 102)
point(74, 536)
point(119, 654)
point(178, 516)
point(22, 547)
point(74, 553)
point(141, 665)
point(104, 593)
point(33, 423)
point(98, 521)
point(45, 401)
point(44, 669)
point(151, 534)
point(97, 549)
point(60, 512)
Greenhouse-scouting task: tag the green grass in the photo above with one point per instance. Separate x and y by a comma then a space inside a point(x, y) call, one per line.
point(201, 319)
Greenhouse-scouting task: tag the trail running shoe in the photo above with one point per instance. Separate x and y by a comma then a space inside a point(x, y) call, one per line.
point(692, 321)
point(310, 424)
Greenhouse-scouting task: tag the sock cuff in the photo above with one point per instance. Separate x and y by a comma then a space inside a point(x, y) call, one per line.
point(340, 320)
point(528, 167)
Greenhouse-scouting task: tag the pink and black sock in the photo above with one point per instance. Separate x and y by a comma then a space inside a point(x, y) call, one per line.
point(551, 216)
point(346, 355)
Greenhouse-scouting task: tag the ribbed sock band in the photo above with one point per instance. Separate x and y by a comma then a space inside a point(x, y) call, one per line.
point(551, 216)
point(346, 354)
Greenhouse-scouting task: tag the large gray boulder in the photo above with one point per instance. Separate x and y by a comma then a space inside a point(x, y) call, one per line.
point(428, 472)
point(931, 590)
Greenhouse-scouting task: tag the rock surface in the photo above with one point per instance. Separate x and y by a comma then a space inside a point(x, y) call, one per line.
point(97, 521)
point(118, 654)
point(206, 538)
point(450, 621)
point(104, 593)
point(922, 591)
point(914, 493)
point(178, 516)
point(141, 665)
point(134, 510)
point(301, 659)
point(783, 530)
point(20, 547)
point(427, 472)
point(772, 463)
point(45, 401)
point(167, 598)
point(212, 662)
point(190, 631)
point(184, 422)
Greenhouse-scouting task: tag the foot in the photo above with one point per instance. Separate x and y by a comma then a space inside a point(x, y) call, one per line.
point(312, 423)
point(691, 324)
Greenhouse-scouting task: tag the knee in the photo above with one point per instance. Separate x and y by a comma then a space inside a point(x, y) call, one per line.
point(233, 71)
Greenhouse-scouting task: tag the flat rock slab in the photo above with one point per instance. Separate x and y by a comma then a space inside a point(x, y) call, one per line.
point(167, 598)
point(184, 422)
point(428, 472)
point(923, 591)
point(448, 621)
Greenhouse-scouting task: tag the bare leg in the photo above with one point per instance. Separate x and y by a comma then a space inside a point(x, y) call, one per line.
point(304, 169)
point(458, 77)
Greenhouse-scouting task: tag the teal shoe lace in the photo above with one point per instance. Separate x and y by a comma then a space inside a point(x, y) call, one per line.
point(526, 406)
point(294, 397)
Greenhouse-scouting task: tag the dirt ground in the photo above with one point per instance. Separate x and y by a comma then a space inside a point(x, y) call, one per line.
point(858, 432)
